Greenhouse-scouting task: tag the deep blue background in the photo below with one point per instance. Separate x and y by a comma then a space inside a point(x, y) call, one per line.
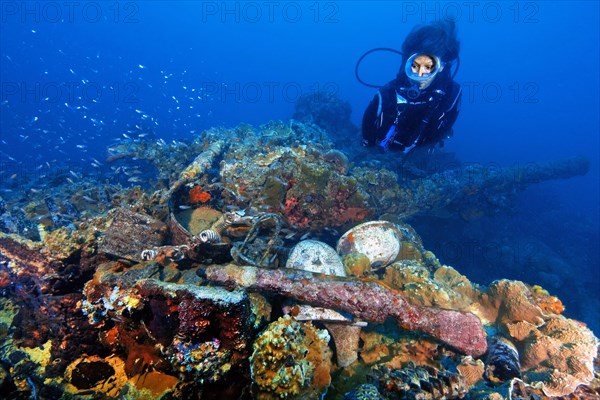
point(529, 72)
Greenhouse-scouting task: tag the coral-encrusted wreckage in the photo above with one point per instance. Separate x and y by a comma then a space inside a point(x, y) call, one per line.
point(268, 263)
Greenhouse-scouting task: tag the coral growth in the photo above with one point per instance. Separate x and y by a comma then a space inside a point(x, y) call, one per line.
point(291, 360)
point(195, 333)
point(356, 264)
point(560, 355)
point(471, 370)
point(549, 304)
point(115, 297)
point(197, 195)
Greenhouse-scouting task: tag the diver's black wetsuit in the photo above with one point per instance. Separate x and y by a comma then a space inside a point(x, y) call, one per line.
point(422, 118)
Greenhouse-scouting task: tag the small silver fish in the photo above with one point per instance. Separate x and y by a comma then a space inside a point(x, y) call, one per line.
point(305, 236)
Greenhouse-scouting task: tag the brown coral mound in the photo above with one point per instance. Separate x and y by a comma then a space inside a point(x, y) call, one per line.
point(555, 351)
point(513, 300)
point(560, 354)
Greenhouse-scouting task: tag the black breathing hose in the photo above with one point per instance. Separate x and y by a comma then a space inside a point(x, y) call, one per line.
point(393, 51)
point(366, 54)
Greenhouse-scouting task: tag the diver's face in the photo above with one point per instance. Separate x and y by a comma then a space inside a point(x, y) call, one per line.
point(422, 65)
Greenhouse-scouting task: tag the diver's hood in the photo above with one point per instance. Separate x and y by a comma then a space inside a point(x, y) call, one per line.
point(422, 82)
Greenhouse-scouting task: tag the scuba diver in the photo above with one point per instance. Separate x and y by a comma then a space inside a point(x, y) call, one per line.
point(417, 109)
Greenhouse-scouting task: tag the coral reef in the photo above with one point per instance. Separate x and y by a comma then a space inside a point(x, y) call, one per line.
point(149, 319)
point(109, 280)
point(560, 355)
point(290, 168)
point(543, 341)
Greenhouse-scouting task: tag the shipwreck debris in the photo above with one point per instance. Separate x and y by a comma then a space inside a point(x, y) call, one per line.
point(131, 233)
point(197, 167)
point(367, 300)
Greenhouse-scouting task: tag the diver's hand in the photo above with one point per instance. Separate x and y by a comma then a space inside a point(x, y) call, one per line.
point(408, 149)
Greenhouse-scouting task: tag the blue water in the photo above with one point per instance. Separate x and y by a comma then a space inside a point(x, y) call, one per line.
point(76, 77)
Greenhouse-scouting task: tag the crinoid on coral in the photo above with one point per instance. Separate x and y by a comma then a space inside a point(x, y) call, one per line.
point(291, 360)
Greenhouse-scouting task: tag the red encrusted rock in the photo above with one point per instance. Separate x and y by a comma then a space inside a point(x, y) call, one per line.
point(367, 300)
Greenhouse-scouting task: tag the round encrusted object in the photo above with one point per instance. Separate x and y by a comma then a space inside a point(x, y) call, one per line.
point(315, 256)
point(380, 241)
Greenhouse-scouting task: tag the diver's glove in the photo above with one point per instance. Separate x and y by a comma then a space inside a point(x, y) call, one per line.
point(389, 138)
point(408, 149)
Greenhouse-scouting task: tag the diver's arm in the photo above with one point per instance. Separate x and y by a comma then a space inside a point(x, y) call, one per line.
point(370, 121)
point(439, 125)
point(447, 121)
point(379, 115)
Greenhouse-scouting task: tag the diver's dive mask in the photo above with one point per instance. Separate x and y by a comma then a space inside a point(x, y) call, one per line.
point(421, 82)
